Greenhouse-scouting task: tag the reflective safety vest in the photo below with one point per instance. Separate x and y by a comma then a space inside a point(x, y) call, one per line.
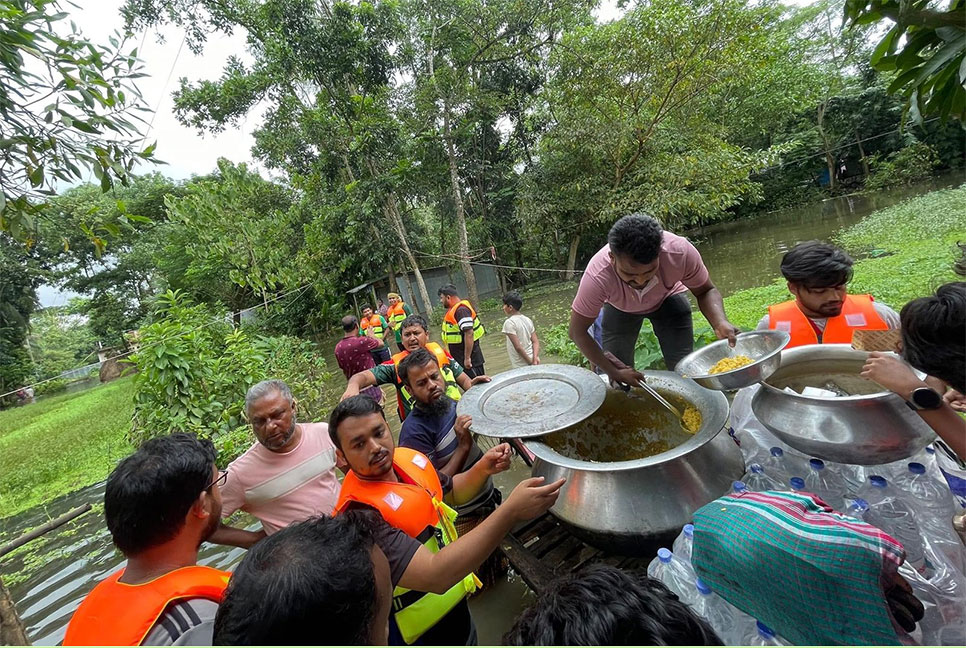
point(118, 614)
point(376, 323)
point(405, 400)
point(858, 313)
point(451, 330)
point(396, 315)
point(415, 506)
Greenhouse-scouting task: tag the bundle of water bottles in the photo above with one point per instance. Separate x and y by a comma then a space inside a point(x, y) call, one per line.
point(909, 500)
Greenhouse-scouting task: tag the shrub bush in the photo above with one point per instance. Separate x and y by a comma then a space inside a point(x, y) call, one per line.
point(910, 164)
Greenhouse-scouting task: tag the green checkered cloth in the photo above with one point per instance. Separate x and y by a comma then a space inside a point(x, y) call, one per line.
point(812, 575)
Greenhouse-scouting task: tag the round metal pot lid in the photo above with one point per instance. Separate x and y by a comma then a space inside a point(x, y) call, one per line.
point(533, 401)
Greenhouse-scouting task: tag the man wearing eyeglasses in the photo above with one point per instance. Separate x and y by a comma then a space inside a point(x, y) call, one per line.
point(287, 476)
point(160, 504)
point(823, 312)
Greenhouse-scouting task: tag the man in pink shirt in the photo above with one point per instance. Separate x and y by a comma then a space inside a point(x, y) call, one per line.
point(643, 272)
point(287, 476)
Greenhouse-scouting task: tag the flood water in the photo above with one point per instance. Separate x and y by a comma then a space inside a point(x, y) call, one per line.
point(48, 577)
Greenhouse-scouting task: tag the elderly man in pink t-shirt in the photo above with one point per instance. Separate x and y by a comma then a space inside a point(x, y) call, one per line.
point(287, 476)
point(643, 272)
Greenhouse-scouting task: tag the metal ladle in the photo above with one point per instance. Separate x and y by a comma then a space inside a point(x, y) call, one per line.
point(663, 401)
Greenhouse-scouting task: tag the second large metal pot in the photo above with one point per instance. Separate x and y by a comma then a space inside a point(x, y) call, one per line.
point(866, 430)
point(630, 506)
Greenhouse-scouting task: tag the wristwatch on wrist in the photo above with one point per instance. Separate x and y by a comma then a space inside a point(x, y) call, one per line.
point(924, 398)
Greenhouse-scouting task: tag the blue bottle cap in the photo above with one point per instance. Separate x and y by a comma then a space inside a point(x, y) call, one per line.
point(878, 481)
point(917, 468)
point(859, 504)
point(702, 587)
point(689, 530)
point(797, 483)
point(756, 468)
point(664, 555)
point(764, 630)
point(816, 464)
point(930, 450)
point(739, 486)
point(777, 452)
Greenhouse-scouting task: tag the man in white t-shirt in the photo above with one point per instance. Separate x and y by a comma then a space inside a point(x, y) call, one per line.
point(522, 344)
point(287, 476)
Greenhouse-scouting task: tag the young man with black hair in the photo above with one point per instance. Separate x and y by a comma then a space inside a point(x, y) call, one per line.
point(355, 353)
point(415, 335)
point(432, 568)
point(462, 330)
point(643, 273)
point(522, 343)
point(934, 342)
point(323, 581)
point(606, 606)
point(160, 504)
point(823, 312)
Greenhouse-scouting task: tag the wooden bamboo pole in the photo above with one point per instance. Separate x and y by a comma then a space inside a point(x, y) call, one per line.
point(44, 528)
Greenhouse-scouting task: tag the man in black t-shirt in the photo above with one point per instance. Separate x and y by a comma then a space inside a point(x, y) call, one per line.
point(359, 430)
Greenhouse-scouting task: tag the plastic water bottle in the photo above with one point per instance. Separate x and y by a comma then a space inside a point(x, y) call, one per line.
point(724, 618)
point(854, 477)
point(858, 508)
point(797, 484)
point(826, 485)
point(739, 487)
point(763, 636)
point(756, 479)
point(676, 574)
point(777, 466)
point(684, 543)
point(888, 512)
point(931, 502)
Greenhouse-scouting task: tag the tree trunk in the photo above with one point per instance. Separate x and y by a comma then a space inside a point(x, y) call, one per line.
point(827, 149)
point(393, 286)
point(464, 246)
point(862, 157)
point(391, 210)
point(12, 631)
point(572, 258)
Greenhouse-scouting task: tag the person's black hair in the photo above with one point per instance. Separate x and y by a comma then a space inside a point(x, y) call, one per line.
point(418, 358)
point(934, 334)
point(637, 236)
point(310, 583)
point(448, 289)
point(359, 405)
point(815, 264)
point(414, 320)
point(349, 323)
point(602, 605)
point(150, 492)
point(513, 300)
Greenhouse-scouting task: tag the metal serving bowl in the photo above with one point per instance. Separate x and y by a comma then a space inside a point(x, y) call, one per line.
point(764, 347)
point(866, 430)
point(631, 506)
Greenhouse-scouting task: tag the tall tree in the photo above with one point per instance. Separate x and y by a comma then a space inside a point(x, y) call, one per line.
point(322, 70)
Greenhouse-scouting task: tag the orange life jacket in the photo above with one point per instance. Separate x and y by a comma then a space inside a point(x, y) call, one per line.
point(405, 400)
point(396, 314)
point(404, 504)
point(118, 614)
point(415, 506)
point(451, 330)
point(376, 323)
point(858, 313)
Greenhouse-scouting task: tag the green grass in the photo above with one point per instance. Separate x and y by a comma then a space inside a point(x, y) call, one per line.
point(61, 444)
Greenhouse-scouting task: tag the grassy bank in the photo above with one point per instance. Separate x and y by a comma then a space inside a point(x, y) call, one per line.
point(904, 251)
point(60, 444)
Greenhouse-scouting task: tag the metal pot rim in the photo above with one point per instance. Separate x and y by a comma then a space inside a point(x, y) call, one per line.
point(885, 394)
point(704, 436)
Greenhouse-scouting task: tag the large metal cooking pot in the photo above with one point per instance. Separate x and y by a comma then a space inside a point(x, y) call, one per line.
point(631, 507)
point(866, 430)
